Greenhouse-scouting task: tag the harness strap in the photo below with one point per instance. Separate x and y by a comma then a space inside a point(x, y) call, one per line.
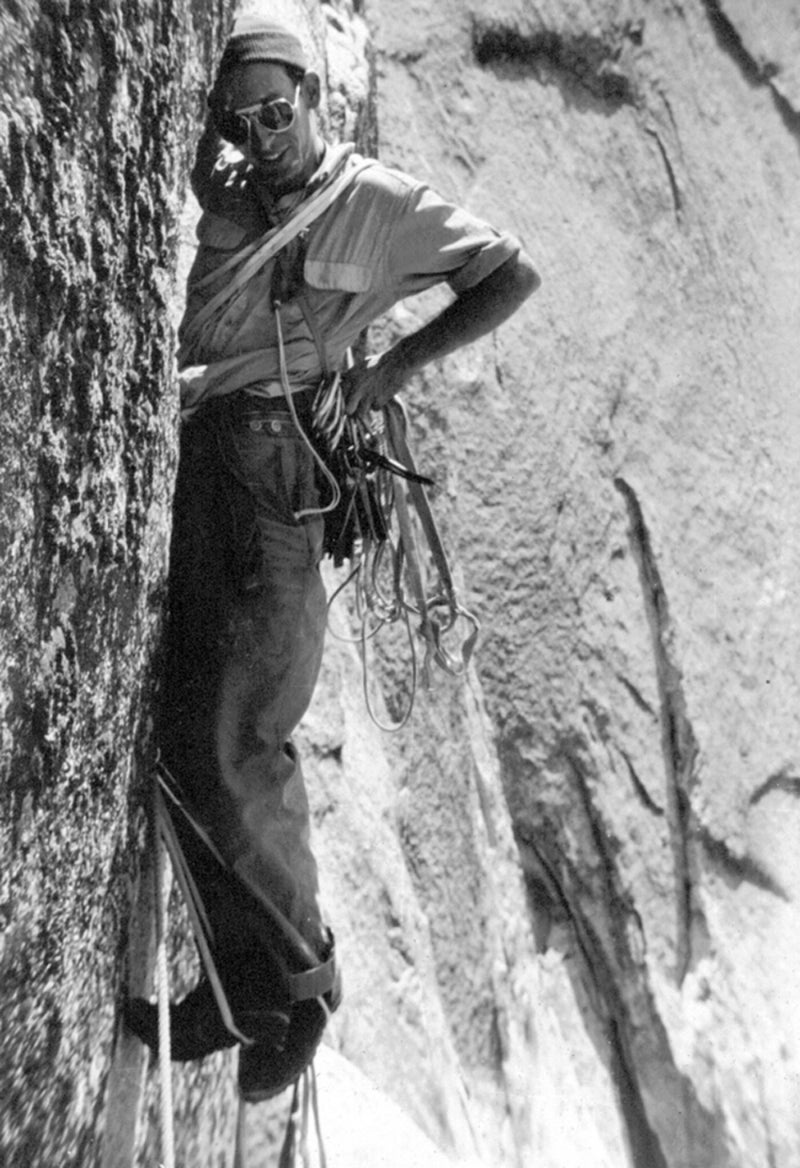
point(197, 915)
point(313, 983)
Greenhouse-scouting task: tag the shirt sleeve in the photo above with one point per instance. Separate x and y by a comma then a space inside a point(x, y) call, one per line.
point(434, 241)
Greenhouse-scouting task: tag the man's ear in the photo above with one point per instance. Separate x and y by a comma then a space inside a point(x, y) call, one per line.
point(312, 89)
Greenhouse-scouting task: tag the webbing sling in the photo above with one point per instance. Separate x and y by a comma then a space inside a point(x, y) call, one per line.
point(314, 981)
point(434, 628)
point(387, 559)
point(254, 256)
point(197, 915)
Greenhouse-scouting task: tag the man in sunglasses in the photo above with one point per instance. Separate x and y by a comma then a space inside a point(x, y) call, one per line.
point(301, 245)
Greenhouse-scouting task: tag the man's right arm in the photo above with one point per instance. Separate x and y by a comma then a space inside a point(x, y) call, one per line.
point(476, 311)
point(218, 180)
point(429, 240)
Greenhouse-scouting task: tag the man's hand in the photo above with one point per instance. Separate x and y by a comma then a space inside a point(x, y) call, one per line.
point(373, 382)
point(474, 313)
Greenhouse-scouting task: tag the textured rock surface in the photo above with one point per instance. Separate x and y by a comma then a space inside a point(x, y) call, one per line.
point(623, 457)
point(616, 470)
point(94, 110)
point(382, 1136)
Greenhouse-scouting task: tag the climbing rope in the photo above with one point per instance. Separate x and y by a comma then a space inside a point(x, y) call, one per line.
point(289, 397)
point(399, 568)
point(295, 1150)
point(162, 988)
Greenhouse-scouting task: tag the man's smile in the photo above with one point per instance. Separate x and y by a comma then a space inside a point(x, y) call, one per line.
point(271, 166)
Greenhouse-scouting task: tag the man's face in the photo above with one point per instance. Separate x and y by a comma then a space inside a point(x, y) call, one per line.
point(284, 161)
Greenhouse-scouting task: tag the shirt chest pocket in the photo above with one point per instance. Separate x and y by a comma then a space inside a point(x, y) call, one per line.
point(333, 275)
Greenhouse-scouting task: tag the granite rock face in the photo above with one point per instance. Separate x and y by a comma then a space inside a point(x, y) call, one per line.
point(95, 108)
point(621, 469)
point(565, 896)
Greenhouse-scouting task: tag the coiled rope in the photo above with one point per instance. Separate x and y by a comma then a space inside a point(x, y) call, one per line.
point(399, 568)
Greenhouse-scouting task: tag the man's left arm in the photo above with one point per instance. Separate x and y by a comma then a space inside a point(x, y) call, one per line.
point(475, 311)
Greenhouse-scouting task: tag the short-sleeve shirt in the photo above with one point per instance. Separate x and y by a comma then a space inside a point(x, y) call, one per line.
point(385, 237)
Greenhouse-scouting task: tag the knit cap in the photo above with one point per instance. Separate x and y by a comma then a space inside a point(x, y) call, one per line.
point(256, 37)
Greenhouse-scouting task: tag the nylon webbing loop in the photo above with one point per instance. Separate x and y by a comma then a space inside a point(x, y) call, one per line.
point(194, 905)
point(313, 983)
point(253, 257)
point(400, 570)
point(444, 597)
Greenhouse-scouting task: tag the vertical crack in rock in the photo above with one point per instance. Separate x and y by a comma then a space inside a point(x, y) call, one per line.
point(677, 738)
point(677, 200)
point(757, 73)
point(739, 868)
point(599, 983)
point(643, 794)
point(591, 62)
point(772, 1150)
point(599, 835)
point(638, 698)
point(782, 781)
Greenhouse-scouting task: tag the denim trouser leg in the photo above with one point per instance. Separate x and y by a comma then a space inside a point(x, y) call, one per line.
point(266, 687)
point(244, 646)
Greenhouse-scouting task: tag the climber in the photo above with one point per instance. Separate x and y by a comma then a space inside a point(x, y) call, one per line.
point(301, 245)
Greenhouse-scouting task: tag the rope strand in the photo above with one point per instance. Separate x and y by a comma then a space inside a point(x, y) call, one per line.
point(287, 393)
point(393, 579)
point(162, 984)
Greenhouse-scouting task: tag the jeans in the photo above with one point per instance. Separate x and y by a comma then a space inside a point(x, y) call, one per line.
point(244, 640)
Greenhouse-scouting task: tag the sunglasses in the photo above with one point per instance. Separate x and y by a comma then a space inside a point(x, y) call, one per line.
point(277, 116)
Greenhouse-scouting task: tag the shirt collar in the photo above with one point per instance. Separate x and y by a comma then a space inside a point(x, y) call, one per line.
point(333, 158)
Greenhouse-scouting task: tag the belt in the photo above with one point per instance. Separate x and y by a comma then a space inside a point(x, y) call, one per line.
point(266, 399)
point(272, 389)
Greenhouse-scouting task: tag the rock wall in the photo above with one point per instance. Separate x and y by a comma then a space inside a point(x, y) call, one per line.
point(566, 894)
point(619, 467)
point(96, 108)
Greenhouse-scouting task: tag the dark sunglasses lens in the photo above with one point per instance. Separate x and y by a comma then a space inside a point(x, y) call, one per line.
point(276, 115)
